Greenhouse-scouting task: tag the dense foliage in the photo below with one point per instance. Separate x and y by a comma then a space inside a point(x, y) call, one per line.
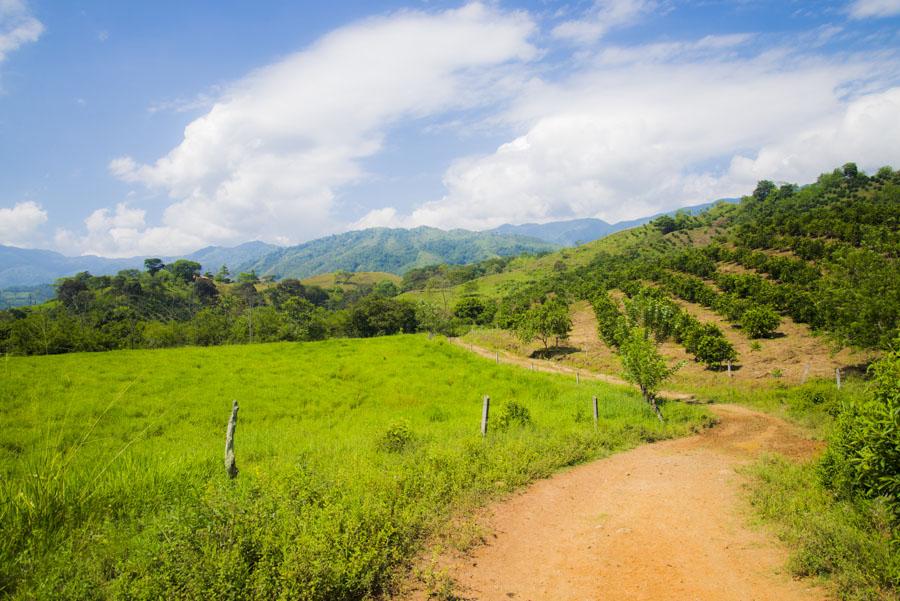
point(173, 305)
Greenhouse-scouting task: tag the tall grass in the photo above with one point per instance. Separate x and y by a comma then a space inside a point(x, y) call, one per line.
point(350, 453)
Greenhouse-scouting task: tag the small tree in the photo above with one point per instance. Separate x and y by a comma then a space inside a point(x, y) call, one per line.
point(760, 322)
point(545, 321)
point(644, 366)
point(223, 275)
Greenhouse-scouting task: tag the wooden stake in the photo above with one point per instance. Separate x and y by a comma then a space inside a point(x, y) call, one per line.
point(484, 415)
point(729, 369)
point(596, 413)
point(577, 378)
point(805, 374)
point(230, 466)
point(837, 377)
point(498, 357)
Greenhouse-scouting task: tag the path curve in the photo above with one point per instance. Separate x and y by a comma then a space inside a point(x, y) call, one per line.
point(544, 365)
point(665, 521)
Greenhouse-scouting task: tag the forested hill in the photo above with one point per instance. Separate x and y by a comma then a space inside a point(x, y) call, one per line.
point(392, 251)
point(824, 255)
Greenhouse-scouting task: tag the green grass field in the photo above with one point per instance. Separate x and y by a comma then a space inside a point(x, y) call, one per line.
point(351, 453)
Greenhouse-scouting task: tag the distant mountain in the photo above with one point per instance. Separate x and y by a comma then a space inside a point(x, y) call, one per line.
point(235, 257)
point(32, 267)
point(579, 231)
point(393, 251)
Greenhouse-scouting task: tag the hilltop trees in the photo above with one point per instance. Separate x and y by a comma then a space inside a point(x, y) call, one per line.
point(153, 266)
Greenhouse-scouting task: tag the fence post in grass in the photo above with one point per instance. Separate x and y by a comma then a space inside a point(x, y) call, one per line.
point(805, 374)
point(230, 466)
point(577, 378)
point(498, 357)
point(596, 412)
point(484, 415)
point(837, 377)
point(729, 368)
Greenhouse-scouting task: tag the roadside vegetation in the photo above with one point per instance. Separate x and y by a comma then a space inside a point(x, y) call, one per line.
point(350, 452)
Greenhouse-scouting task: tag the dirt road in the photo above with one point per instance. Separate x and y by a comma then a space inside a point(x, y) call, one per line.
point(554, 367)
point(664, 521)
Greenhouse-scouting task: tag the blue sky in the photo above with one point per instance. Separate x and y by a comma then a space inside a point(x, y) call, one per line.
point(157, 128)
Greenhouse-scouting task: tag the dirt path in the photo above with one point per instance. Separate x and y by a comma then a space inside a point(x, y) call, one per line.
point(664, 521)
point(554, 367)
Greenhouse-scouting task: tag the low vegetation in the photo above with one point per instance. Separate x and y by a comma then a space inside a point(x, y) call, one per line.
point(349, 454)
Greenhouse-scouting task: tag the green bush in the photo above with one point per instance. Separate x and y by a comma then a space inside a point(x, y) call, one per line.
point(514, 414)
point(847, 542)
point(396, 438)
point(760, 322)
point(863, 456)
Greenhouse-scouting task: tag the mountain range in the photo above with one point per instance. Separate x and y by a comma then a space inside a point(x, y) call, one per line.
point(374, 249)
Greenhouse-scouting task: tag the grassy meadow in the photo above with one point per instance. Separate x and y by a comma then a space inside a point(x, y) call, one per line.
point(351, 453)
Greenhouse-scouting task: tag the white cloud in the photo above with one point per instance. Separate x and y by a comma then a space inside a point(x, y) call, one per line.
point(603, 16)
point(265, 162)
point(619, 140)
point(17, 27)
point(864, 9)
point(122, 232)
point(19, 223)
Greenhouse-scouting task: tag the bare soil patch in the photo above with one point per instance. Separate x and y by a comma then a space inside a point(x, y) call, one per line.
point(665, 521)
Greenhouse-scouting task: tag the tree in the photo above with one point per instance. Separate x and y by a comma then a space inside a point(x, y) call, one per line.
point(713, 350)
point(763, 189)
point(184, 270)
point(246, 277)
point(470, 309)
point(760, 321)
point(547, 320)
point(223, 275)
point(644, 366)
point(153, 265)
point(375, 316)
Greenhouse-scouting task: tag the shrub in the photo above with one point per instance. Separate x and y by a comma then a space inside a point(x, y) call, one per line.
point(396, 438)
point(514, 414)
point(760, 322)
point(863, 456)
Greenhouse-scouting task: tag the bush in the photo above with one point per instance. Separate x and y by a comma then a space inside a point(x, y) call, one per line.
point(514, 414)
point(760, 322)
point(396, 438)
point(863, 456)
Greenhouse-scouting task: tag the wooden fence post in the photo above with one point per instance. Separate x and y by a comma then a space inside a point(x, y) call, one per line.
point(484, 415)
point(498, 357)
point(596, 413)
point(805, 374)
point(577, 378)
point(837, 377)
point(230, 466)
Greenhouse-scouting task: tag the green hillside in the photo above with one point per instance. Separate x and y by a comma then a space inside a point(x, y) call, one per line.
point(393, 251)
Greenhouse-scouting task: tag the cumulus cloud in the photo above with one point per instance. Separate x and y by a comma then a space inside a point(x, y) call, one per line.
point(865, 9)
point(122, 232)
point(19, 223)
point(17, 27)
point(603, 16)
point(266, 160)
point(652, 131)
